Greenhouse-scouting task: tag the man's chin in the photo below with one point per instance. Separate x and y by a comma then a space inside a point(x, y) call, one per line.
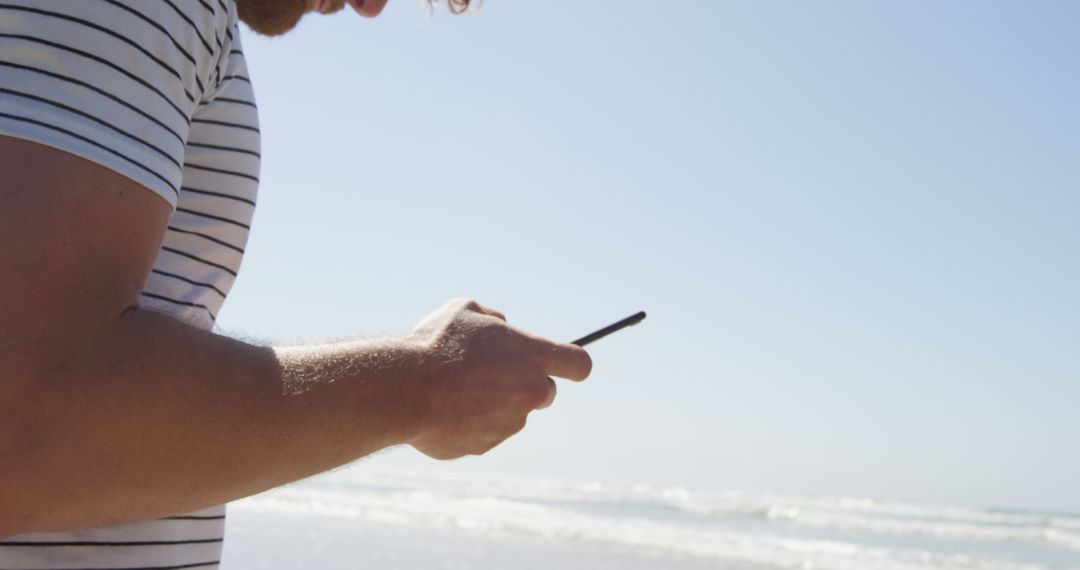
point(271, 17)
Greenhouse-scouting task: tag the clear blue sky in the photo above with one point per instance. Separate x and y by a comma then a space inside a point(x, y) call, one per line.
point(853, 224)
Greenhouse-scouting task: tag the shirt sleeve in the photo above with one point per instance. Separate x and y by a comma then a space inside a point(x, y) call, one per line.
point(115, 82)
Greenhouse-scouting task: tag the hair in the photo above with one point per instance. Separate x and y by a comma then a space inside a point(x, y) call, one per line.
point(275, 17)
point(270, 17)
point(459, 6)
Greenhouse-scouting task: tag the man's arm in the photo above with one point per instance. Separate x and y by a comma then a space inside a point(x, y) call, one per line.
point(110, 413)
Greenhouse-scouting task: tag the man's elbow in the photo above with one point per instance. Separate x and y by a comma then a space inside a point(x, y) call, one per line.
point(14, 517)
point(24, 436)
point(10, 523)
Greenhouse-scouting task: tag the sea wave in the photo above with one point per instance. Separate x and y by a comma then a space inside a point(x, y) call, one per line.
point(630, 516)
point(835, 513)
point(497, 517)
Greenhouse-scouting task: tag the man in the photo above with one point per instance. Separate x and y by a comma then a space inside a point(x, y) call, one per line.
point(129, 148)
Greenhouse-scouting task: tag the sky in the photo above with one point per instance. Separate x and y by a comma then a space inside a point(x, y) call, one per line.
point(852, 224)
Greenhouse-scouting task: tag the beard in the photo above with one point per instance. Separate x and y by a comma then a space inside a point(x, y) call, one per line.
point(271, 17)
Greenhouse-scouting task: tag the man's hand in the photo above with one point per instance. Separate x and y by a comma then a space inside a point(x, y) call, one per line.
point(484, 377)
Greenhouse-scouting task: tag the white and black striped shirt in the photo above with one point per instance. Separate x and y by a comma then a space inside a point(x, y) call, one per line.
point(158, 91)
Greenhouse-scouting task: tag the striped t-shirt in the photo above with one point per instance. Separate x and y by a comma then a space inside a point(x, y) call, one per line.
point(158, 91)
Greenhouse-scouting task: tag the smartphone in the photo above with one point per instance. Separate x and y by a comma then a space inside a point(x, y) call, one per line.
point(628, 321)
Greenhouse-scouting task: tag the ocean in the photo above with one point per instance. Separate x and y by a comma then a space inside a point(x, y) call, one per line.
point(376, 517)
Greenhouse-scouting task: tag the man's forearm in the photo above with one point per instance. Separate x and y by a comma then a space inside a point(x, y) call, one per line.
point(148, 417)
point(111, 414)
